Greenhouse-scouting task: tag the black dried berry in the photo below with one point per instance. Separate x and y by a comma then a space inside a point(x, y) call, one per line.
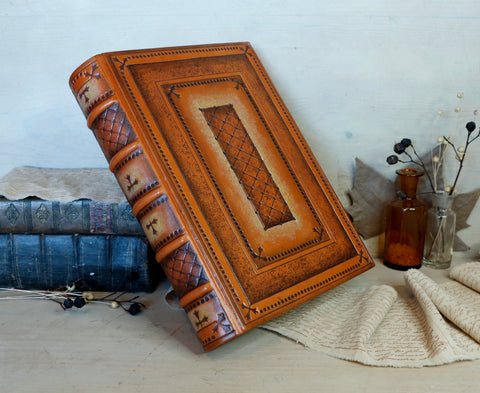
point(134, 309)
point(398, 148)
point(406, 142)
point(79, 302)
point(470, 126)
point(68, 303)
point(392, 160)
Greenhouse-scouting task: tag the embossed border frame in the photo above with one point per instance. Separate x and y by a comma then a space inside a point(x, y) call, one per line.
point(220, 272)
point(317, 238)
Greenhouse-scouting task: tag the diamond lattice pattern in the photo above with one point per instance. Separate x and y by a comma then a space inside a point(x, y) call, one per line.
point(248, 165)
point(184, 270)
point(112, 130)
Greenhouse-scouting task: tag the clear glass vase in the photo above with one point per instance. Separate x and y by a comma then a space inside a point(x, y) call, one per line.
point(440, 234)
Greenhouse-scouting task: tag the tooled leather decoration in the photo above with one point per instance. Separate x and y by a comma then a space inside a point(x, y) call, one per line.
point(247, 164)
point(217, 119)
point(113, 132)
point(183, 270)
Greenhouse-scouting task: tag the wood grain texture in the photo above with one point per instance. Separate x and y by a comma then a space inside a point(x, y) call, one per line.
point(100, 349)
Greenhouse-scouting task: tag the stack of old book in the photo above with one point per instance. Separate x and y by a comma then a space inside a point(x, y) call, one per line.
point(50, 240)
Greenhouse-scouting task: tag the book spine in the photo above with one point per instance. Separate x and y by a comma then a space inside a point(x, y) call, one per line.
point(82, 216)
point(150, 202)
point(93, 262)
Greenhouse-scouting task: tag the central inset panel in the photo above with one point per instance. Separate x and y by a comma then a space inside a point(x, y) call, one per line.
point(247, 164)
point(263, 200)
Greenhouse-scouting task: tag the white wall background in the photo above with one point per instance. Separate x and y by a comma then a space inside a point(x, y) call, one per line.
point(357, 75)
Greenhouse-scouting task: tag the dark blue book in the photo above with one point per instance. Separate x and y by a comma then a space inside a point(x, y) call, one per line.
point(92, 262)
point(86, 216)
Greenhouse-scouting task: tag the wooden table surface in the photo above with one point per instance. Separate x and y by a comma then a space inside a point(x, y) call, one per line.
point(100, 349)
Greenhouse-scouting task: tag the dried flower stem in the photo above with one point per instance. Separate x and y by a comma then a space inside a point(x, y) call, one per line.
point(437, 165)
point(60, 297)
point(460, 158)
point(420, 163)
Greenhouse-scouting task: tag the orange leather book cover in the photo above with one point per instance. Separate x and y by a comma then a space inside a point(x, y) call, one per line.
point(239, 213)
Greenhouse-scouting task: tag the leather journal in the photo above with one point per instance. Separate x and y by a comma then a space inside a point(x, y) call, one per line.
point(238, 211)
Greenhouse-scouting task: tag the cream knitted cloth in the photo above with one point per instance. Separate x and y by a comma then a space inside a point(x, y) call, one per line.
point(432, 325)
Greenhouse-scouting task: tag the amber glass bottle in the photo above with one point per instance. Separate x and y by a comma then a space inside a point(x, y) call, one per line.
point(406, 225)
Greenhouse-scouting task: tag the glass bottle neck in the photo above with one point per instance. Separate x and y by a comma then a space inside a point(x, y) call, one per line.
point(409, 181)
point(442, 201)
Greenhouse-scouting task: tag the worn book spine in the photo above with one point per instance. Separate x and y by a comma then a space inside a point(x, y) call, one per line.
point(82, 216)
point(93, 262)
point(101, 101)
